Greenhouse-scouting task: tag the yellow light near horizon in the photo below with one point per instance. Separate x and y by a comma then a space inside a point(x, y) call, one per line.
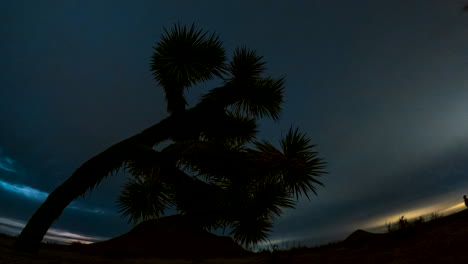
point(440, 208)
point(455, 208)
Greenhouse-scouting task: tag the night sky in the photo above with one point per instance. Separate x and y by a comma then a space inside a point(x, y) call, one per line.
point(380, 86)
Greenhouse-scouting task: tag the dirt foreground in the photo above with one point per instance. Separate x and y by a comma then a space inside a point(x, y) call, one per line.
point(441, 241)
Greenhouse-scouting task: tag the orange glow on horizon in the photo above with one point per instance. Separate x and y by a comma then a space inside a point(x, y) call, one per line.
point(440, 208)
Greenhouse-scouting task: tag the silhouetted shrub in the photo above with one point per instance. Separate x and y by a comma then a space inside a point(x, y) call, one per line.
point(418, 221)
point(403, 223)
point(435, 216)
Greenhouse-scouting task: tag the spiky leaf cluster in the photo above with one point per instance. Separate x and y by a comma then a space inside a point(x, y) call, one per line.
point(184, 57)
point(144, 198)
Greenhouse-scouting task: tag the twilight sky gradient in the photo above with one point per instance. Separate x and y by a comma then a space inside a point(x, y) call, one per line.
point(380, 86)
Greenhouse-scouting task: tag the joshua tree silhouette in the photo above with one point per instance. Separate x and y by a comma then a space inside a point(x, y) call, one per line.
point(466, 200)
point(214, 169)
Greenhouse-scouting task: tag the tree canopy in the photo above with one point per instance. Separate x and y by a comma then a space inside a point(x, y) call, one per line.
point(221, 176)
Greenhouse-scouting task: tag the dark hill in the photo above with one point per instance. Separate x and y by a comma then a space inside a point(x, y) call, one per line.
point(361, 236)
point(167, 237)
point(444, 240)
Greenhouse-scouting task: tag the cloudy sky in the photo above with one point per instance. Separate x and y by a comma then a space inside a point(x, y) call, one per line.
point(380, 86)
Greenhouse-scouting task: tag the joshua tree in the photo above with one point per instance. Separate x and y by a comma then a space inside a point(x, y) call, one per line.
point(242, 187)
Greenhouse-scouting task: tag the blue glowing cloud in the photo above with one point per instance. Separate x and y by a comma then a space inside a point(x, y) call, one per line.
point(24, 190)
point(6, 163)
point(40, 196)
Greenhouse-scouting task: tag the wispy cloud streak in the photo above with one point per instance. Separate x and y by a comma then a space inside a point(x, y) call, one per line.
point(40, 196)
point(24, 190)
point(14, 227)
point(6, 163)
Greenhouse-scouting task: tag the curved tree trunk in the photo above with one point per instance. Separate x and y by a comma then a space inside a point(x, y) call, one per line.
point(179, 126)
point(85, 178)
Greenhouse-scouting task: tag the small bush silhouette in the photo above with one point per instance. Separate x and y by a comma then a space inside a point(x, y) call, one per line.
point(435, 216)
point(404, 224)
point(419, 221)
point(401, 224)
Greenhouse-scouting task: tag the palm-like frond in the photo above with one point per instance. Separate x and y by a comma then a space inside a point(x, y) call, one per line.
point(247, 90)
point(245, 67)
point(303, 165)
point(270, 198)
point(256, 96)
point(184, 57)
point(253, 207)
point(144, 198)
point(263, 98)
point(259, 98)
point(251, 230)
point(268, 158)
point(295, 165)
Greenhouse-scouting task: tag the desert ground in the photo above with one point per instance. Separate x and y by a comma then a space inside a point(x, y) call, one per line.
point(444, 240)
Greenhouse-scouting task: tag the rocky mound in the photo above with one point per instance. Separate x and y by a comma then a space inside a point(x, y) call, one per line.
point(167, 237)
